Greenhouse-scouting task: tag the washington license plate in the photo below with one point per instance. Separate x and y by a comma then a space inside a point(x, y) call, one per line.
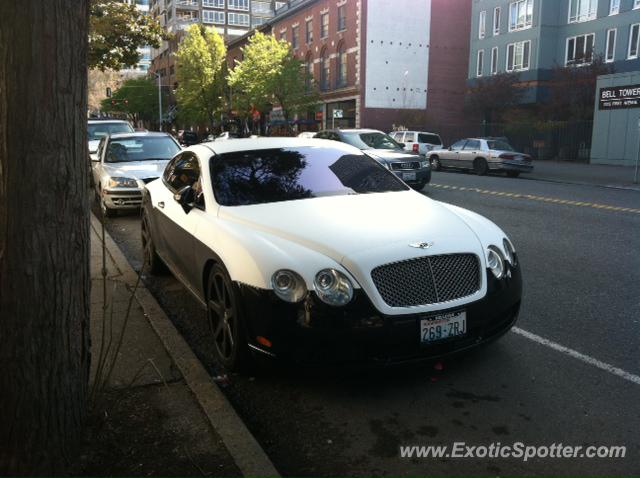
point(409, 176)
point(445, 326)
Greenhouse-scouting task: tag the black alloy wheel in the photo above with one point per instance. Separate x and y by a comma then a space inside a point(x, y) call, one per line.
point(225, 321)
point(480, 166)
point(435, 163)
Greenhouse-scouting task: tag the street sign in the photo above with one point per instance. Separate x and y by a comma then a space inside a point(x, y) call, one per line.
point(338, 114)
point(108, 92)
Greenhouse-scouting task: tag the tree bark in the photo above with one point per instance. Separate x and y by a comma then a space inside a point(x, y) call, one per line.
point(44, 233)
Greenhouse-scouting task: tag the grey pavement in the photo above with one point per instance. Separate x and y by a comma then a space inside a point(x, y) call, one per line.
point(575, 172)
point(151, 421)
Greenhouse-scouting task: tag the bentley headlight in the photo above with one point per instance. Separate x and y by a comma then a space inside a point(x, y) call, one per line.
point(510, 251)
point(117, 182)
point(333, 287)
point(288, 285)
point(495, 261)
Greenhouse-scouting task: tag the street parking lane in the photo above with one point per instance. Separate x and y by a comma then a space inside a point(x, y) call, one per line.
point(581, 270)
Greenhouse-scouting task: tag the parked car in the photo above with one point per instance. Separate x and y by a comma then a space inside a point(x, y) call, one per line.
point(188, 138)
point(482, 155)
point(418, 141)
point(410, 167)
point(99, 128)
point(301, 248)
point(125, 163)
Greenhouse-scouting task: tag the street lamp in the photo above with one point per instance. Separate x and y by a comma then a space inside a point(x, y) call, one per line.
point(157, 75)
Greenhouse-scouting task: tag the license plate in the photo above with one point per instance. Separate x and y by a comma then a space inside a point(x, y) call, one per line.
point(445, 326)
point(409, 176)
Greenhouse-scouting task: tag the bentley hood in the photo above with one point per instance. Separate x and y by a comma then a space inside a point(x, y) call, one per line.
point(362, 231)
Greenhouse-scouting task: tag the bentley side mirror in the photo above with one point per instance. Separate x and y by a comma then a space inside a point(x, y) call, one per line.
point(186, 198)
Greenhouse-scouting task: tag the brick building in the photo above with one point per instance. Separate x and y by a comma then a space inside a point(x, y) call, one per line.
point(380, 62)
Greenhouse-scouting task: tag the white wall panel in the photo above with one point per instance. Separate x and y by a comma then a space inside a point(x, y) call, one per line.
point(397, 53)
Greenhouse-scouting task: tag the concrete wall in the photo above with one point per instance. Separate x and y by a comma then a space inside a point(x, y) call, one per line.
point(615, 132)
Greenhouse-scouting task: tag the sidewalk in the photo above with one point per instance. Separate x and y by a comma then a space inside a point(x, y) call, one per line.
point(573, 172)
point(146, 421)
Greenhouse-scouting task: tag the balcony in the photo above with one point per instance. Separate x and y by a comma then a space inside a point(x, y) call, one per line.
point(187, 4)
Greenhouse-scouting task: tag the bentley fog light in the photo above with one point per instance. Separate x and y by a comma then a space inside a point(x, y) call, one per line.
point(333, 287)
point(495, 261)
point(117, 182)
point(510, 251)
point(288, 285)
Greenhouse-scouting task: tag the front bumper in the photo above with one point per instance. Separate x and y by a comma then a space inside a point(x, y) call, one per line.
point(422, 175)
point(313, 332)
point(122, 198)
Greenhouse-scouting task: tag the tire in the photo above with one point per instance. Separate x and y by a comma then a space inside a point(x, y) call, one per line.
point(480, 166)
point(435, 163)
point(419, 186)
point(226, 321)
point(152, 262)
point(513, 174)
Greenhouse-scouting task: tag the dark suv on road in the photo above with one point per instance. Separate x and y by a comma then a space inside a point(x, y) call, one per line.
point(412, 168)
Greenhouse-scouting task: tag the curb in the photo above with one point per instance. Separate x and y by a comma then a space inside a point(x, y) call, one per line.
point(248, 455)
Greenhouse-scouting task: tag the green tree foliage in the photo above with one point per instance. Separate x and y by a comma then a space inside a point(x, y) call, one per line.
point(270, 74)
point(492, 96)
point(138, 98)
point(200, 62)
point(117, 30)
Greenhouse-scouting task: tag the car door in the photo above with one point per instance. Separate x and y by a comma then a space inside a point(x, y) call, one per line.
point(469, 152)
point(450, 157)
point(175, 225)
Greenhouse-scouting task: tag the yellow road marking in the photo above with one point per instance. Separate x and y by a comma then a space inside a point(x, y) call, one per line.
point(532, 197)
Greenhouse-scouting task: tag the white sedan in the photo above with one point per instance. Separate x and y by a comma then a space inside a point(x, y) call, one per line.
point(124, 163)
point(309, 249)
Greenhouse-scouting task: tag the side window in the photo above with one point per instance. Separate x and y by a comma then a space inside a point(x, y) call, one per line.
point(183, 171)
point(333, 136)
point(458, 145)
point(409, 138)
point(472, 145)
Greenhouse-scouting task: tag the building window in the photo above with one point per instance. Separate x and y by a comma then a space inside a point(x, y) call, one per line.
point(518, 56)
point(342, 67)
point(324, 25)
point(239, 19)
point(239, 5)
point(308, 81)
point(611, 45)
point(482, 24)
point(295, 40)
point(520, 15)
point(636, 4)
point(309, 31)
point(614, 8)
point(496, 21)
point(582, 10)
point(580, 50)
point(342, 18)
point(325, 71)
point(480, 63)
point(213, 3)
point(494, 60)
point(634, 39)
point(257, 21)
point(209, 16)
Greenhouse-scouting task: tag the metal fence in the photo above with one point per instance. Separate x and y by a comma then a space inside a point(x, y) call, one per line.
point(542, 140)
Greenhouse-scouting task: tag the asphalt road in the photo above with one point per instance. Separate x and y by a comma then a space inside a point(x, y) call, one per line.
point(579, 247)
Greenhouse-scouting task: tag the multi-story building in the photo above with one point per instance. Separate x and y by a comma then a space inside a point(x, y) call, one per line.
point(230, 18)
point(379, 63)
point(532, 37)
point(145, 52)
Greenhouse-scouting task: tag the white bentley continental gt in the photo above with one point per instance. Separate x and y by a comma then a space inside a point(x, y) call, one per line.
point(311, 250)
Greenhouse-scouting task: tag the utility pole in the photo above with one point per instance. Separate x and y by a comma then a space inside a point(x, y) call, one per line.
point(159, 101)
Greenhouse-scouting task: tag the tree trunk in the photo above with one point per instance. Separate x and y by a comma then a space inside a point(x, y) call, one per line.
point(44, 233)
